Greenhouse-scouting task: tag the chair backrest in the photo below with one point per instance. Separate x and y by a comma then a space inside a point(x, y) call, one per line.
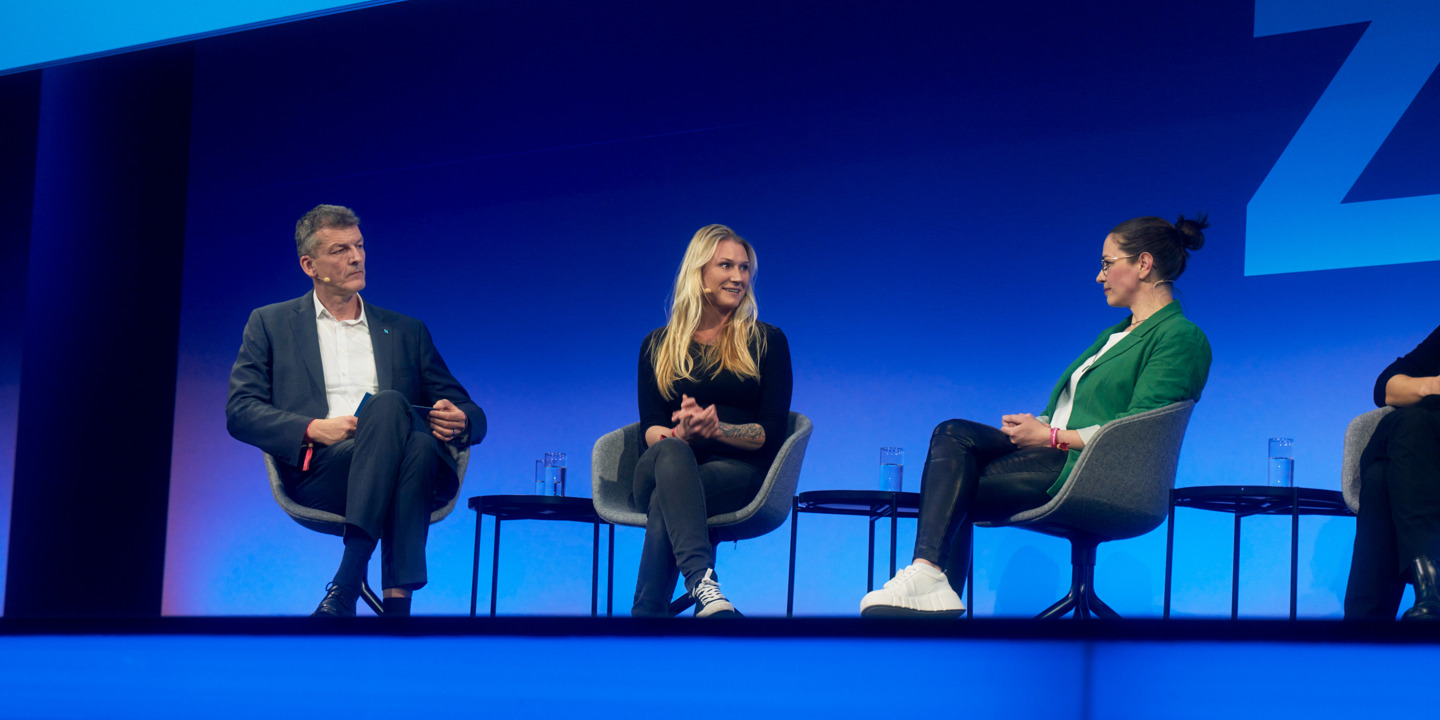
point(1120, 486)
point(612, 476)
point(772, 503)
point(332, 524)
point(1357, 436)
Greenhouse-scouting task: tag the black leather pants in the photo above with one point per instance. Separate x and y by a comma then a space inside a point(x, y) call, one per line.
point(973, 473)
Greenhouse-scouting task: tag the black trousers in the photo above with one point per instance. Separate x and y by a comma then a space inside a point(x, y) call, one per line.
point(383, 480)
point(973, 473)
point(1399, 510)
point(679, 494)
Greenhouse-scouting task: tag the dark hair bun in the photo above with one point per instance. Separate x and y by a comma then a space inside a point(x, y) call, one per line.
point(1191, 232)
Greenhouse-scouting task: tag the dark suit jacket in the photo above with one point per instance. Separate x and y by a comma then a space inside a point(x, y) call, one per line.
point(277, 385)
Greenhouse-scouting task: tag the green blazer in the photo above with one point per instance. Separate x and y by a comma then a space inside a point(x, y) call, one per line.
point(1164, 361)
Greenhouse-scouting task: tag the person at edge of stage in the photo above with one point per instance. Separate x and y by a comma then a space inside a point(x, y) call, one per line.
point(975, 472)
point(714, 390)
point(1397, 532)
point(296, 389)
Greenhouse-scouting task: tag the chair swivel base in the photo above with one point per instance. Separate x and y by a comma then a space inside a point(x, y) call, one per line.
point(1081, 600)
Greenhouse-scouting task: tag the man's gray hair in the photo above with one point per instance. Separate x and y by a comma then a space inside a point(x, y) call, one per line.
point(321, 217)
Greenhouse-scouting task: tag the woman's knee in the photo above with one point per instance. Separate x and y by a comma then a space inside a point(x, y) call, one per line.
point(673, 459)
point(957, 430)
point(673, 449)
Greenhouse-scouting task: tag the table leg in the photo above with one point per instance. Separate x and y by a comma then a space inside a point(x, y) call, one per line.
point(1169, 552)
point(475, 569)
point(790, 586)
point(870, 562)
point(495, 568)
point(1294, 543)
point(610, 576)
point(595, 572)
point(970, 582)
point(894, 521)
point(1235, 572)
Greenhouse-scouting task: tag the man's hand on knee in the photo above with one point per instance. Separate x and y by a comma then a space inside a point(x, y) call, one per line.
point(332, 430)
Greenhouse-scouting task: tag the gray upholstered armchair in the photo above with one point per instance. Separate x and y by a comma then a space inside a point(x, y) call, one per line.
point(1119, 488)
point(332, 524)
point(612, 473)
point(1357, 436)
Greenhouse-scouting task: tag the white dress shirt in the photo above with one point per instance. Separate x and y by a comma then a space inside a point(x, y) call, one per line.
point(347, 359)
point(1066, 403)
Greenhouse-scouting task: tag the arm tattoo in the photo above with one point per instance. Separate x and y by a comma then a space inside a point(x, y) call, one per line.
point(748, 431)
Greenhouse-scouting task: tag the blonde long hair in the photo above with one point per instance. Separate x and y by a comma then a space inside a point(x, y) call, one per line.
point(731, 351)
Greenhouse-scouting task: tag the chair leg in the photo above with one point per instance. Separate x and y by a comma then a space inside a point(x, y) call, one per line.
point(1060, 608)
point(370, 598)
point(1100, 609)
point(681, 604)
point(1081, 599)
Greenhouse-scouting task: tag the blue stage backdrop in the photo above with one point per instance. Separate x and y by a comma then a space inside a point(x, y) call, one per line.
point(927, 185)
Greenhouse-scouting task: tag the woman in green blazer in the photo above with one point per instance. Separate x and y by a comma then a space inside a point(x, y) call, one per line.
point(975, 472)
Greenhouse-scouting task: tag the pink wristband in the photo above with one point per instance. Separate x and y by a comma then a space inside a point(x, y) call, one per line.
point(1054, 437)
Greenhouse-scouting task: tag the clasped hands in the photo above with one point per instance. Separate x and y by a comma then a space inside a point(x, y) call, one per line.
point(446, 424)
point(1025, 431)
point(693, 422)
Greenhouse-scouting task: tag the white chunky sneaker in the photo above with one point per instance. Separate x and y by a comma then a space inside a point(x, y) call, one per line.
point(918, 590)
point(709, 601)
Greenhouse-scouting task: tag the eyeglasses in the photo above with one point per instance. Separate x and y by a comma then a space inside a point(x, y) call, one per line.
point(1106, 263)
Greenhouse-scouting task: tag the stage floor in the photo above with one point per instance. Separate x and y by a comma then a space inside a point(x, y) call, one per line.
point(619, 667)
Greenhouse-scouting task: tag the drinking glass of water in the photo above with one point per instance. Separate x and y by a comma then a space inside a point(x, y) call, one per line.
point(892, 468)
point(555, 473)
point(1282, 462)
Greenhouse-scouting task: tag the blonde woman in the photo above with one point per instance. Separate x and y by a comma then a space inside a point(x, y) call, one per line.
point(714, 395)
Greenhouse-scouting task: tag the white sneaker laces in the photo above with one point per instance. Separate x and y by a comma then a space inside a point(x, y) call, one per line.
point(708, 591)
point(903, 577)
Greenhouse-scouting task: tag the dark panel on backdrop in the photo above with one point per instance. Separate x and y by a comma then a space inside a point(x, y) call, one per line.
point(19, 123)
point(98, 384)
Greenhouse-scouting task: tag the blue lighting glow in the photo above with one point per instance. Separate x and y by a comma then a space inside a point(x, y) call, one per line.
point(40, 33)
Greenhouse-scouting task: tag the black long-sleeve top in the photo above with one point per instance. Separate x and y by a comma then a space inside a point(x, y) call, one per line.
point(1423, 361)
point(737, 400)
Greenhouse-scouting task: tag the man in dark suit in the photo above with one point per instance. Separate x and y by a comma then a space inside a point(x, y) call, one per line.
point(295, 392)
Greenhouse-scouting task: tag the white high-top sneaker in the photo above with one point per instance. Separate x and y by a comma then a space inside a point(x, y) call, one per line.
point(918, 590)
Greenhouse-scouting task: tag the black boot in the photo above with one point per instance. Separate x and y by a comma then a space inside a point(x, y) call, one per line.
point(1427, 590)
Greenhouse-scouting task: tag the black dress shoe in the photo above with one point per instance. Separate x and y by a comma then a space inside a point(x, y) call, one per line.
point(1427, 590)
point(339, 602)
